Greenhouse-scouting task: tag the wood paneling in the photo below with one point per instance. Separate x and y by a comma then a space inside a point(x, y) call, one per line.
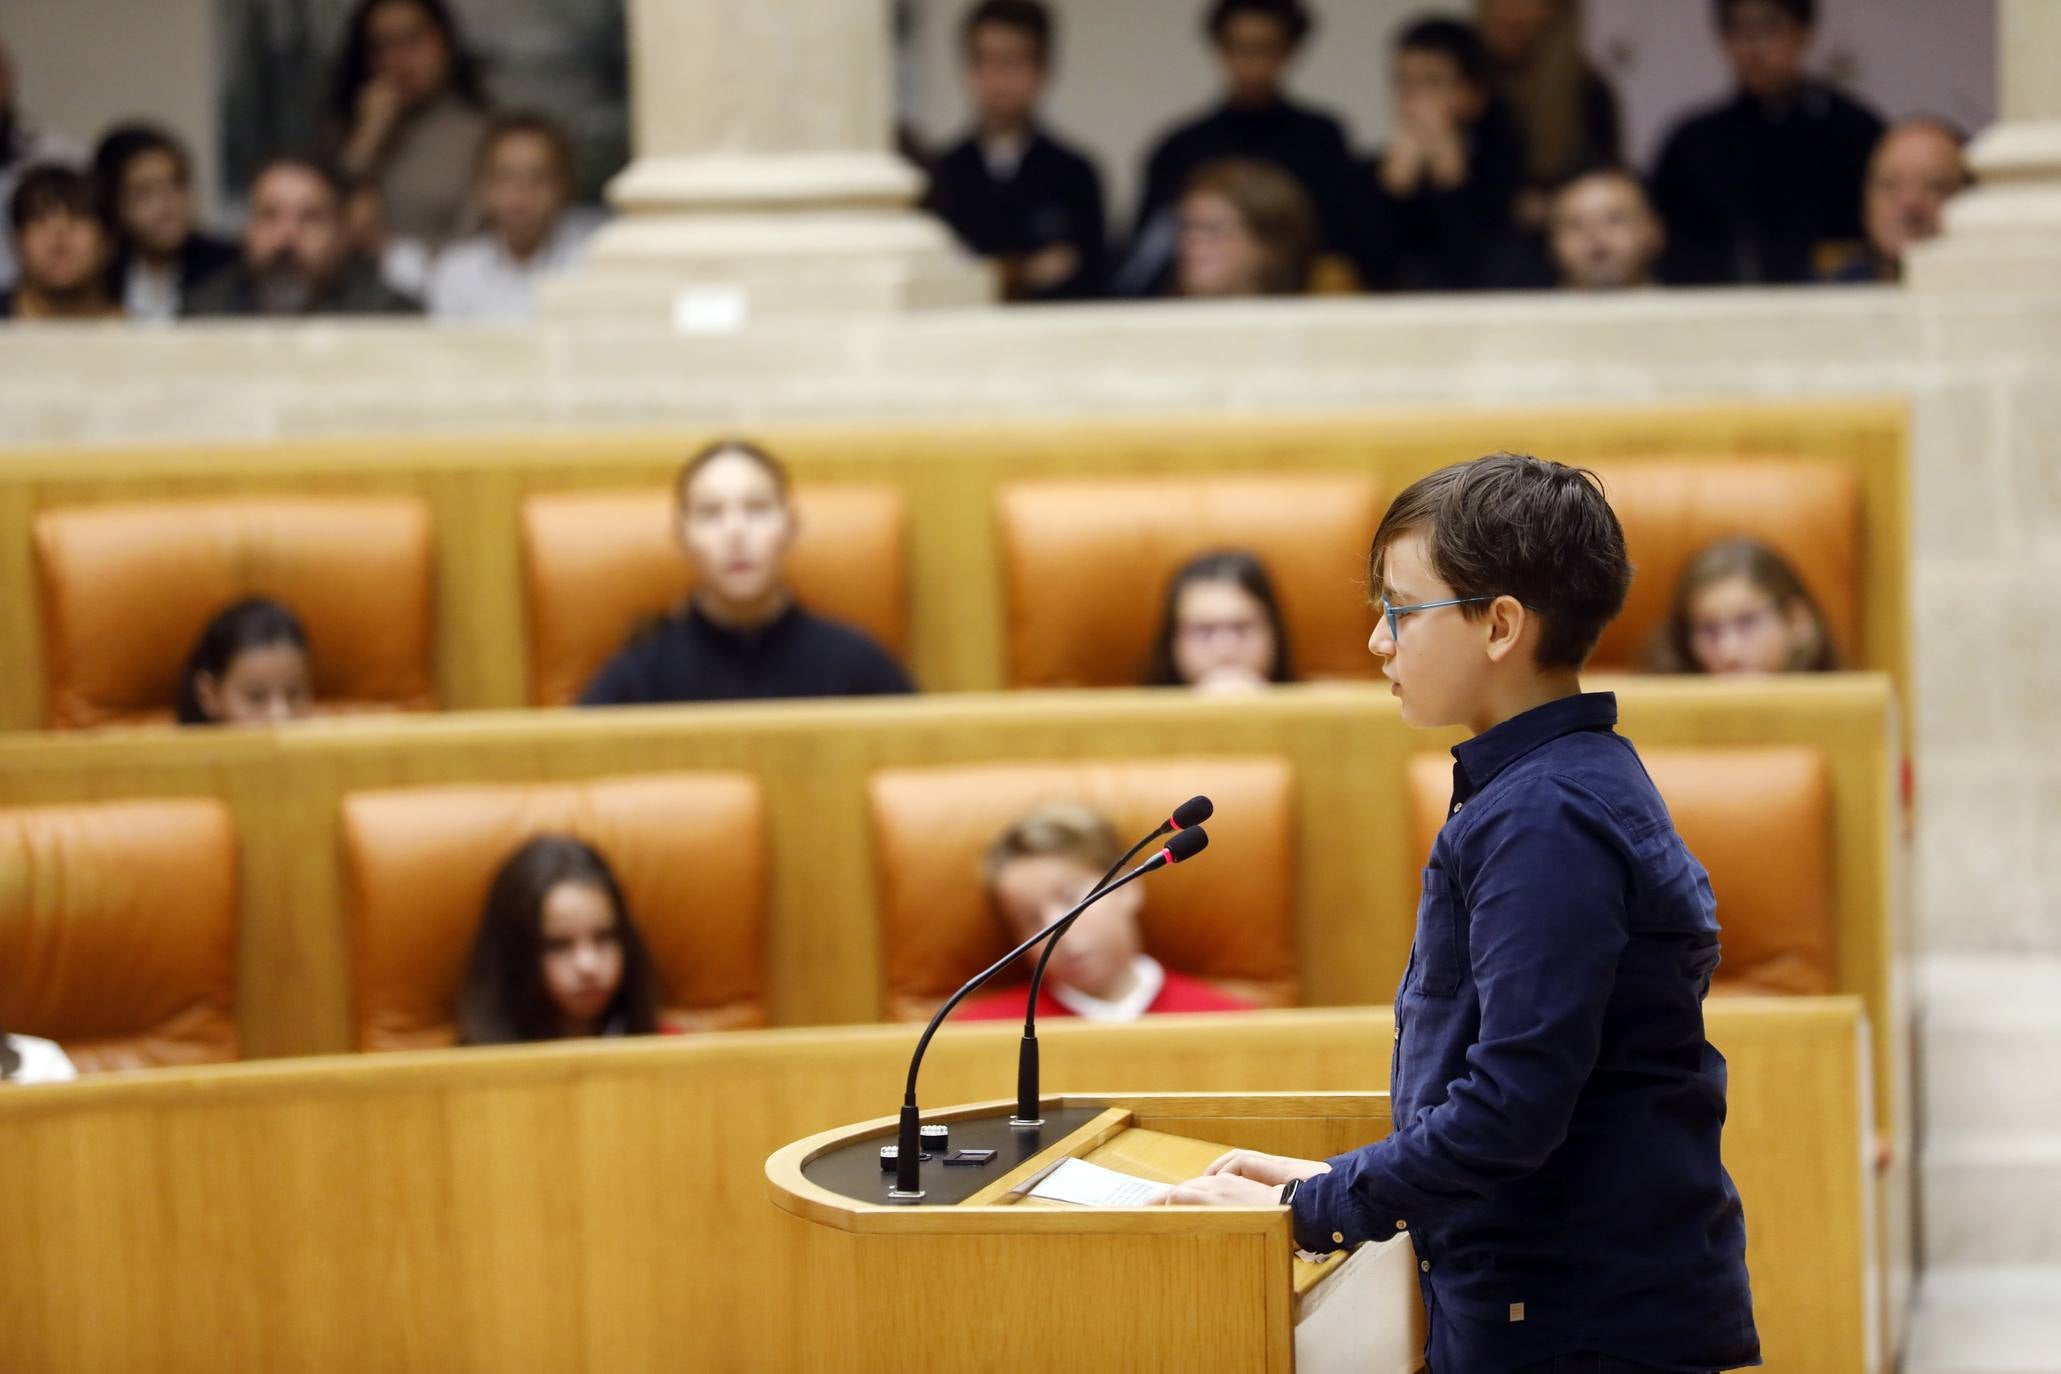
point(1347, 745)
point(604, 1207)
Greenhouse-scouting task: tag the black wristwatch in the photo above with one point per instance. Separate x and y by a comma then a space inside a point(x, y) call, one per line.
point(1288, 1191)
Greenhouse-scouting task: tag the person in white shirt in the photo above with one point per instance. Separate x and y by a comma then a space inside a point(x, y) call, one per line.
point(25, 1059)
point(533, 230)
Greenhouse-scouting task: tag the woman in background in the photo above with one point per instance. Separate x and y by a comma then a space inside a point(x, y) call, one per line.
point(1740, 608)
point(1246, 229)
point(557, 956)
point(249, 667)
point(25, 1059)
point(1221, 627)
point(1564, 110)
point(407, 116)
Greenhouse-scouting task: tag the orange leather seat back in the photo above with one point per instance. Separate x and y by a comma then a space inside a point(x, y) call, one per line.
point(1810, 513)
point(597, 564)
point(1227, 915)
point(126, 590)
point(118, 931)
point(1086, 565)
point(688, 851)
point(1760, 820)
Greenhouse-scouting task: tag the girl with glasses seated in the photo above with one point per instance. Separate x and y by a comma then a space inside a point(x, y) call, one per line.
point(1740, 608)
point(1221, 627)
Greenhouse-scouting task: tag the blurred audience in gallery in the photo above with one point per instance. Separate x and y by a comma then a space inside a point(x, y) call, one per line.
point(1917, 168)
point(23, 144)
point(1037, 870)
point(1221, 628)
point(61, 243)
point(250, 666)
point(25, 1059)
point(297, 256)
point(1010, 189)
point(1255, 43)
point(1564, 111)
point(1603, 232)
point(407, 114)
point(532, 229)
point(557, 955)
point(741, 634)
point(1761, 186)
point(146, 183)
point(1438, 200)
point(1246, 229)
point(1740, 608)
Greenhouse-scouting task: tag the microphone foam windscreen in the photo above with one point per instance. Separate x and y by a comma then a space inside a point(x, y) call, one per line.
point(1186, 844)
point(1193, 811)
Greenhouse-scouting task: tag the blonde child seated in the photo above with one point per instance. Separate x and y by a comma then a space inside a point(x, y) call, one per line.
point(1039, 868)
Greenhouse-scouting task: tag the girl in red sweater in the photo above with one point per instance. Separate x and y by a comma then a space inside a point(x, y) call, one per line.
point(1039, 868)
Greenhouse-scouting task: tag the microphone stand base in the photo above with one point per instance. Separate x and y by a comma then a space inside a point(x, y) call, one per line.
point(1026, 1124)
point(897, 1195)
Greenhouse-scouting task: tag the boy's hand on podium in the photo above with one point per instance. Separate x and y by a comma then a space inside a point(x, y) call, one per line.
point(1221, 1190)
point(1243, 1178)
point(1272, 1170)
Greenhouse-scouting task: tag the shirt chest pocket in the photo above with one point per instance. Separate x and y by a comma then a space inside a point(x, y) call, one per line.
point(1436, 953)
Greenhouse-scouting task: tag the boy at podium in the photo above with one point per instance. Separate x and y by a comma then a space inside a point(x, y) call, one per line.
point(1557, 1109)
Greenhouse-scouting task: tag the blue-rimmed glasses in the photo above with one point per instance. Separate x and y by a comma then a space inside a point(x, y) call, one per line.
point(1395, 614)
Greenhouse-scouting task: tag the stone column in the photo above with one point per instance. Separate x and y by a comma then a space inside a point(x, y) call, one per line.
point(764, 181)
point(2005, 232)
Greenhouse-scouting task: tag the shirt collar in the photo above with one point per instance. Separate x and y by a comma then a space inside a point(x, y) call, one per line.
point(1150, 978)
point(1480, 759)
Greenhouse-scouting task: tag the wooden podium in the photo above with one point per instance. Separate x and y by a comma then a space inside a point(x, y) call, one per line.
point(976, 1275)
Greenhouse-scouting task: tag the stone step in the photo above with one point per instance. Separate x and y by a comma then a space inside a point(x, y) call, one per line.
point(1973, 1319)
point(1992, 1197)
point(1989, 1045)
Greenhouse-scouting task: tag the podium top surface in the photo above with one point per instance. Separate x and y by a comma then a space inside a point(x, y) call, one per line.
point(834, 1179)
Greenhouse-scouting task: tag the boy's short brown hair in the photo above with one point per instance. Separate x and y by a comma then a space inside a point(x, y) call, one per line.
point(1514, 525)
point(1028, 17)
point(1067, 829)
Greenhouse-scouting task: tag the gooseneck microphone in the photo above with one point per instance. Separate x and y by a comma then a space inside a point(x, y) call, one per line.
point(909, 1136)
point(1188, 814)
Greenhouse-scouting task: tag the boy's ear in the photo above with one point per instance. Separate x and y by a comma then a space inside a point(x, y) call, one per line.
point(1510, 623)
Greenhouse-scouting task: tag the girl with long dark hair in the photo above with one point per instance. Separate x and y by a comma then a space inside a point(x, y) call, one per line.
point(249, 667)
point(1740, 608)
point(557, 955)
point(1221, 626)
point(407, 115)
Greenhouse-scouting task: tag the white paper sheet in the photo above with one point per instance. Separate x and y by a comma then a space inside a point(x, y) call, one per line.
point(1091, 1185)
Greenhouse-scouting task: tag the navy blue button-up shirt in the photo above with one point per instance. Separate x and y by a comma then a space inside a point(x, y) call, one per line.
point(1557, 1109)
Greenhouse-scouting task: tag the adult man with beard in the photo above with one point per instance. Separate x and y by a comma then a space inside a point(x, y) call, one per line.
point(296, 257)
